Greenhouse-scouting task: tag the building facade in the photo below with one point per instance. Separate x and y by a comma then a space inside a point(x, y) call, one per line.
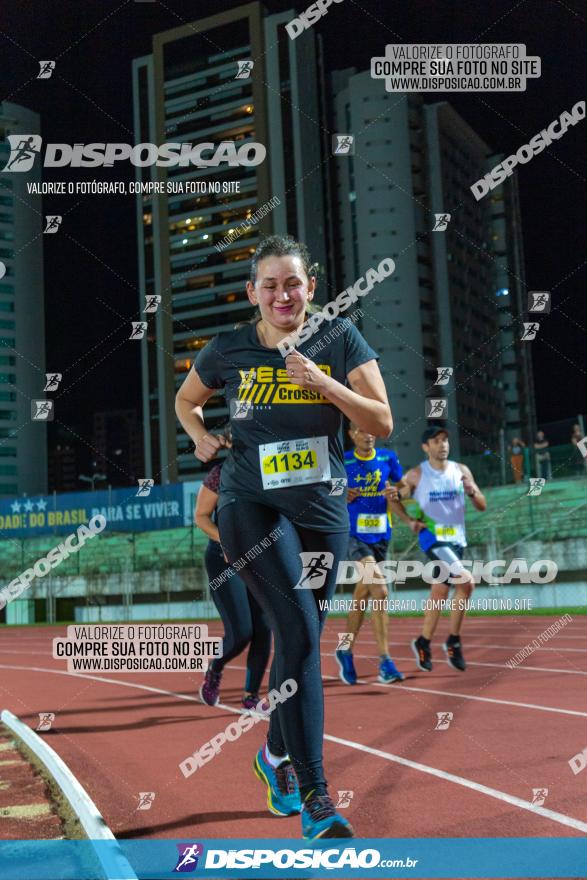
point(117, 444)
point(23, 442)
point(440, 308)
point(190, 254)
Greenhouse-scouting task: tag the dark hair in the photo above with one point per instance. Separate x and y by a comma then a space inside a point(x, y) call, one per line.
point(282, 246)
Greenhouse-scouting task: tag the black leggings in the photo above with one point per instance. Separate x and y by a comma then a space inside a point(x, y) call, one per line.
point(296, 726)
point(243, 619)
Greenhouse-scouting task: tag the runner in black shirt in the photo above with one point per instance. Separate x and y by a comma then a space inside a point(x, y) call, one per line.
point(280, 507)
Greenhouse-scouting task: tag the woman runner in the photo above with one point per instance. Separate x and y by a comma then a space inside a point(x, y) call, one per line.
point(243, 620)
point(280, 510)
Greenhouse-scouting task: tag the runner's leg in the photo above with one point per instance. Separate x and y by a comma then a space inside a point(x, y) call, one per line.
point(438, 594)
point(260, 647)
point(295, 619)
point(357, 612)
point(231, 601)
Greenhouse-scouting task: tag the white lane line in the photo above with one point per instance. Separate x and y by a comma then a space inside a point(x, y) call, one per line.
point(561, 818)
point(476, 645)
point(91, 820)
point(399, 686)
point(522, 666)
point(142, 687)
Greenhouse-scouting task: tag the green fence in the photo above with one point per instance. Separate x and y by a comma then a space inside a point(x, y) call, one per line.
point(493, 469)
point(560, 511)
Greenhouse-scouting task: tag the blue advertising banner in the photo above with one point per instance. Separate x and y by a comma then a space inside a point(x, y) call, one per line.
point(453, 858)
point(132, 509)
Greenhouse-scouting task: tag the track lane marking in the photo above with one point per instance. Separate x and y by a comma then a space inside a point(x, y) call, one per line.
point(554, 816)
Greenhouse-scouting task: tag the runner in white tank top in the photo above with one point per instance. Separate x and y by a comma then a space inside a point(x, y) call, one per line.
point(441, 496)
point(439, 487)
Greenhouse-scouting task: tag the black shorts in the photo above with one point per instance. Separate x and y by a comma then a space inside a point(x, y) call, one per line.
point(359, 549)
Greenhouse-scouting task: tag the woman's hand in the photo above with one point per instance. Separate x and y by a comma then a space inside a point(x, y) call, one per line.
point(304, 372)
point(208, 446)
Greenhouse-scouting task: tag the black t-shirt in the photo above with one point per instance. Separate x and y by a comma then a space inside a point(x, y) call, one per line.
point(262, 465)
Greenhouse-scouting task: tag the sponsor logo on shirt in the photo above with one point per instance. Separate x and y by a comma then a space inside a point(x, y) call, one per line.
point(267, 385)
point(443, 495)
point(371, 482)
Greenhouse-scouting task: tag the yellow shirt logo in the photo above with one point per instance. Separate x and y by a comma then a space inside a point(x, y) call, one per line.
point(266, 385)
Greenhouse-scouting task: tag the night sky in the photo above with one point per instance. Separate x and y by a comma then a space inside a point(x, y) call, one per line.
point(91, 264)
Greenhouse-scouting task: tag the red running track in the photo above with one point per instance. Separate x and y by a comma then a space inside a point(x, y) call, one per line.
point(513, 730)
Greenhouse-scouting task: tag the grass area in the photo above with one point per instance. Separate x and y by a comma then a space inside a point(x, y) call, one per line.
point(532, 612)
point(573, 610)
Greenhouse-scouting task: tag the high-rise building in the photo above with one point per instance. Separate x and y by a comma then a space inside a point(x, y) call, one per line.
point(63, 468)
point(441, 307)
point(480, 285)
point(117, 442)
point(189, 91)
point(23, 442)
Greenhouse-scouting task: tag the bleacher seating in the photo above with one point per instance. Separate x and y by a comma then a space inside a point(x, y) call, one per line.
point(511, 515)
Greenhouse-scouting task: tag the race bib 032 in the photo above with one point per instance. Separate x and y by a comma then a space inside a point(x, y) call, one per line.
point(372, 523)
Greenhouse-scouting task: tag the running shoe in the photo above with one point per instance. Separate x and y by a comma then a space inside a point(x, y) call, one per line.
point(388, 672)
point(210, 689)
point(320, 819)
point(422, 654)
point(454, 655)
point(346, 666)
point(251, 701)
point(283, 791)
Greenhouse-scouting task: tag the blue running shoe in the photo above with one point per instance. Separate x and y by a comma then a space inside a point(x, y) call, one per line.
point(320, 819)
point(388, 672)
point(346, 666)
point(283, 791)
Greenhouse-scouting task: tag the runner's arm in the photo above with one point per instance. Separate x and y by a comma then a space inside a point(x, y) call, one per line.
point(205, 506)
point(365, 403)
point(406, 487)
point(472, 489)
point(189, 401)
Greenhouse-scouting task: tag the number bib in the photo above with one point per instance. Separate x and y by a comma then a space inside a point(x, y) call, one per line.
point(294, 462)
point(445, 533)
point(372, 523)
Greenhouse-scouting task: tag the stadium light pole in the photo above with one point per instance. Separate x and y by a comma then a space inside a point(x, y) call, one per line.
point(93, 479)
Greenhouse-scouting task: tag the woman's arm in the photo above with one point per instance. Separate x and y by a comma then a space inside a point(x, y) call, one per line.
point(365, 402)
point(205, 506)
point(189, 401)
